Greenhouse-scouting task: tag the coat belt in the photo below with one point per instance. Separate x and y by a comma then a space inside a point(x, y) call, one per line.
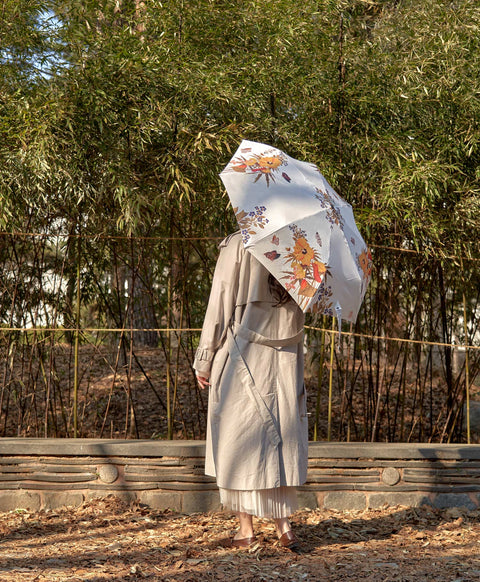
point(256, 338)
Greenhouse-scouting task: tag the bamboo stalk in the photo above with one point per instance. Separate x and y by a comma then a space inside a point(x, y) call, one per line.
point(168, 358)
point(378, 404)
point(319, 381)
point(112, 385)
point(345, 401)
point(330, 383)
point(467, 366)
point(177, 359)
point(130, 412)
point(76, 375)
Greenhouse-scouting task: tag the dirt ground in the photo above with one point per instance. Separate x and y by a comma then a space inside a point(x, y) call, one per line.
point(105, 540)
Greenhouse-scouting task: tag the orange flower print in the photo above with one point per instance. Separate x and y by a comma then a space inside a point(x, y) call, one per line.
point(365, 263)
point(319, 270)
point(307, 273)
point(268, 163)
point(303, 252)
point(298, 271)
point(239, 168)
point(243, 164)
point(306, 290)
point(264, 164)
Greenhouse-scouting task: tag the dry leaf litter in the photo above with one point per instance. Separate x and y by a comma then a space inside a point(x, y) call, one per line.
point(106, 540)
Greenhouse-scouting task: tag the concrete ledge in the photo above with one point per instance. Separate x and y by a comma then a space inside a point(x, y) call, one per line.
point(156, 448)
point(101, 447)
point(393, 451)
point(51, 473)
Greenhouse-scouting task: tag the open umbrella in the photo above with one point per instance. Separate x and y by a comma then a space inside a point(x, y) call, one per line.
point(299, 228)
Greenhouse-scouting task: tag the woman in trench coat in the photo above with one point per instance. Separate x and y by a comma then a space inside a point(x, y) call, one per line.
point(251, 356)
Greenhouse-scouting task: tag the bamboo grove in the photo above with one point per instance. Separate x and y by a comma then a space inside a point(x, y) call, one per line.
point(116, 118)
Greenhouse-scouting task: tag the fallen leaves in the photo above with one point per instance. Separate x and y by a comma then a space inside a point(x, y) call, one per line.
point(106, 540)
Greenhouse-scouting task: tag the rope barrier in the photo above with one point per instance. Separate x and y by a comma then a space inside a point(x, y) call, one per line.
point(109, 237)
point(192, 239)
point(414, 251)
point(181, 330)
point(394, 339)
point(99, 329)
point(199, 329)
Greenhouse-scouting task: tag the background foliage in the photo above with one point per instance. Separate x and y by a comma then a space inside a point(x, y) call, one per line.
point(116, 118)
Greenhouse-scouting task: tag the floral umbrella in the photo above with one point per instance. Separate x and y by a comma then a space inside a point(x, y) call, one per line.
point(299, 228)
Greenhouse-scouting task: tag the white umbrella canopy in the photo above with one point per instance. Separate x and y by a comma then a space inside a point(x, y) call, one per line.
point(299, 228)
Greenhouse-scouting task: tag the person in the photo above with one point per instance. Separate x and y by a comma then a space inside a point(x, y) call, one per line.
point(250, 356)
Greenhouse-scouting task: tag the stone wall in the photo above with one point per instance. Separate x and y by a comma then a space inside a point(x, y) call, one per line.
point(51, 473)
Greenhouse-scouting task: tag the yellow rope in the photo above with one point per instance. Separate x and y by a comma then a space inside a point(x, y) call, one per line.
point(109, 237)
point(190, 239)
point(198, 329)
point(394, 339)
point(92, 329)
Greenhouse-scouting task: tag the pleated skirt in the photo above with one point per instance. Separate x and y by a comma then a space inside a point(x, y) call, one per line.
point(274, 503)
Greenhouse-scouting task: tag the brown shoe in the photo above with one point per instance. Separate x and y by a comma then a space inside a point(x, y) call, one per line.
point(288, 539)
point(243, 542)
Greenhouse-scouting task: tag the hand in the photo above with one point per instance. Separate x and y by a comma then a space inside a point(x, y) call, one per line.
point(203, 381)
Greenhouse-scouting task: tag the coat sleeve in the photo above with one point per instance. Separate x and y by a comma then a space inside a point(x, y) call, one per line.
point(221, 303)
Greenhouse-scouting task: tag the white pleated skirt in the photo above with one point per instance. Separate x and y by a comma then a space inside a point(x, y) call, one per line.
point(274, 503)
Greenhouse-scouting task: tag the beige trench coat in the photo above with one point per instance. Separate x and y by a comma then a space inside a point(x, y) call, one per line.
point(257, 435)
